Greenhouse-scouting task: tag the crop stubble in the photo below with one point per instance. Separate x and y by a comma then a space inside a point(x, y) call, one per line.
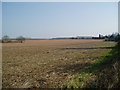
point(47, 63)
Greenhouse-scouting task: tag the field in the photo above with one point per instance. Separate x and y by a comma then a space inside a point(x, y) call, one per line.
point(48, 63)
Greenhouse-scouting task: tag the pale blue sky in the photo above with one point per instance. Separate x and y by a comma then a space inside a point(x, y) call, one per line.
point(0, 20)
point(50, 19)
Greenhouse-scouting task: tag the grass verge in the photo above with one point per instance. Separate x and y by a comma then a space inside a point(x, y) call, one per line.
point(103, 73)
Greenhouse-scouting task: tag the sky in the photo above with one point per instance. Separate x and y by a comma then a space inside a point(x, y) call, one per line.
point(119, 17)
point(0, 19)
point(59, 19)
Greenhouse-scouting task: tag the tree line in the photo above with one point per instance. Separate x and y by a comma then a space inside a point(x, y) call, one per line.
point(7, 39)
point(113, 37)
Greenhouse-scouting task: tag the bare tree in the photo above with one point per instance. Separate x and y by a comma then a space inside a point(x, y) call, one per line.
point(5, 39)
point(20, 39)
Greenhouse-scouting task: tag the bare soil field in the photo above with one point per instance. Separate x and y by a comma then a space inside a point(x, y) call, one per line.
point(49, 42)
point(48, 63)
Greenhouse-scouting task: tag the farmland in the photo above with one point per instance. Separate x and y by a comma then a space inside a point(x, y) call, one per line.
point(48, 63)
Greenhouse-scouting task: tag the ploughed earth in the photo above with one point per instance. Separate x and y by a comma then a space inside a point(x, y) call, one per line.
point(48, 63)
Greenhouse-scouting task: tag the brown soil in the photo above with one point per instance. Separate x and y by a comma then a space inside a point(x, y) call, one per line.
point(48, 63)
